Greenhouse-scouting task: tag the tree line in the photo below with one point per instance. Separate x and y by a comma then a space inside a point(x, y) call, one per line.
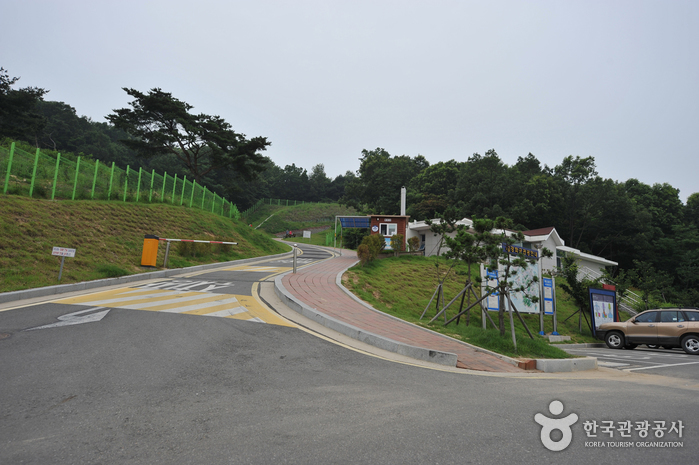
point(160, 132)
point(646, 229)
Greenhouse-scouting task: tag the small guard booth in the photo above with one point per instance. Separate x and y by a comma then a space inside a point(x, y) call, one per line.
point(149, 257)
point(390, 225)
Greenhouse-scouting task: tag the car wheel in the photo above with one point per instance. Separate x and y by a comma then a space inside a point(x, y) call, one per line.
point(614, 340)
point(690, 344)
point(630, 346)
point(652, 346)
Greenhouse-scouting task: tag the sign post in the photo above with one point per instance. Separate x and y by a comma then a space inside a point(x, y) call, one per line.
point(63, 253)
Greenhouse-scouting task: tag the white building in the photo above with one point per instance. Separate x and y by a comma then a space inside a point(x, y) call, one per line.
point(589, 265)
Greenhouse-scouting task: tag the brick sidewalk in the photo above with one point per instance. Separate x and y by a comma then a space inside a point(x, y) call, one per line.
point(316, 287)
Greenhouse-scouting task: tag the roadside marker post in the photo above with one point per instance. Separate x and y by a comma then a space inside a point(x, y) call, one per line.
point(63, 253)
point(295, 249)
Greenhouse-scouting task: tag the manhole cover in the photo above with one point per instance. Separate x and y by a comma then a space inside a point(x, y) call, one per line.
point(4, 335)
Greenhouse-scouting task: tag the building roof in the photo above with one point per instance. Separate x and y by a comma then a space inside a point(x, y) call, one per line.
point(539, 232)
point(587, 256)
point(422, 225)
point(542, 234)
point(355, 221)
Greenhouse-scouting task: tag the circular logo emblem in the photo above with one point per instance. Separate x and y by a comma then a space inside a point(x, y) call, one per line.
point(375, 228)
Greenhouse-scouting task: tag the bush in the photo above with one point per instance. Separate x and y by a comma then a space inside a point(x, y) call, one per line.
point(413, 244)
point(375, 245)
point(364, 254)
point(397, 244)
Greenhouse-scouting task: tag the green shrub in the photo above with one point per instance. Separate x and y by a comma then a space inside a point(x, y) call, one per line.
point(397, 244)
point(374, 245)
point(363, 254)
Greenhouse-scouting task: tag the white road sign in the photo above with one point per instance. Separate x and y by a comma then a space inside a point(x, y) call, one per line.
point(63, 252)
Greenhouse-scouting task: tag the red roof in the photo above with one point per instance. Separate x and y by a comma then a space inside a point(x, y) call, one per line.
point(539, 232)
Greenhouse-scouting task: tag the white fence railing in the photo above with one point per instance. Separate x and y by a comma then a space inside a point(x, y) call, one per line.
point(626, 303)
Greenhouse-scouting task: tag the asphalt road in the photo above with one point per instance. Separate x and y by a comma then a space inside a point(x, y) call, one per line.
point(163, 387)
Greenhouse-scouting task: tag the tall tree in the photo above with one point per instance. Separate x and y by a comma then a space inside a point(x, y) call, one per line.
point(162, 124)
point(691, 210)
point(293, 183)
point(19, 118)
point(432, 190)
point(319, 183)
point(482, 189)
point(381, 177)
point(576, 175)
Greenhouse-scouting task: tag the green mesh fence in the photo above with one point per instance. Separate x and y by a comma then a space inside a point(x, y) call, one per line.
point(277, 202)
point(44, 176)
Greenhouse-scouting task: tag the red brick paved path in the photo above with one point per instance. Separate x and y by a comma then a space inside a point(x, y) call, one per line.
point(316, 287)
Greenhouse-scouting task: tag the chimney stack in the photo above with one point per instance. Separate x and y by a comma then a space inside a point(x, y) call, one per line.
point(402, 201)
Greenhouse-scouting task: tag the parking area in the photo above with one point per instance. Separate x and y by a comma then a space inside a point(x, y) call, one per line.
point(674, 362)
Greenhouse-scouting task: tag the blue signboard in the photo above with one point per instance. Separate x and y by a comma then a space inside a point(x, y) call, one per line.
point(493, 300)
point(548, 296)
point(517, 250)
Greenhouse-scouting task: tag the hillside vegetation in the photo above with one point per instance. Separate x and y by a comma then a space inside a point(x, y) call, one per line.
point(275, 219)
point(108, 238)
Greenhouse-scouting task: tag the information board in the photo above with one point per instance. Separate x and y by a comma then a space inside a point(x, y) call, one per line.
point(602, 307)
point(548, 296)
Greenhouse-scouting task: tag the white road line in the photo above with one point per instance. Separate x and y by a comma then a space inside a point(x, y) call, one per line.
point(619, 356)
point(168, 302)
point(150, 296)
point(201, 306)
point(229, 312)
point(647, 355)
point(661, 366)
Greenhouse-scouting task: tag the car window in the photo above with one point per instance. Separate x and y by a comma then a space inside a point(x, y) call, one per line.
point(649, 317)
point(692, 316)
point(671, 317)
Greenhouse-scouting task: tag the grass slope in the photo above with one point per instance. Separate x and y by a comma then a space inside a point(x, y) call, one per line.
point(402, 287)
point(275, 219)
point(108, 238)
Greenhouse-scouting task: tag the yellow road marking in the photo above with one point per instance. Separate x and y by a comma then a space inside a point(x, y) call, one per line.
point(241, 307)
point(260, 310)
point(104, 295)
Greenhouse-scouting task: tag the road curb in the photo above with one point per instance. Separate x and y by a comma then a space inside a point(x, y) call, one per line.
point(85, 285)
point(419, 353)
point(338, 281)
point(566, 364)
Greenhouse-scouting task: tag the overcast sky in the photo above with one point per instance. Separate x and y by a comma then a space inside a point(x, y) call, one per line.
point(322, 80)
